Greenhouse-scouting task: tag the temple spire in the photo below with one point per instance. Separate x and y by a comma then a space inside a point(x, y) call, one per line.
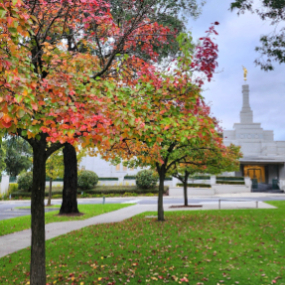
point(246, 116)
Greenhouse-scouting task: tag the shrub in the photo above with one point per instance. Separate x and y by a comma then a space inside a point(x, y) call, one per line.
point(13, 187)
point(195, 185)
point(146, 179)
point(21, 194)
point(87, 179)
point(25, 181)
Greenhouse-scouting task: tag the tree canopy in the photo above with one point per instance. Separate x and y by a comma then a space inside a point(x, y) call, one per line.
point(166, 115)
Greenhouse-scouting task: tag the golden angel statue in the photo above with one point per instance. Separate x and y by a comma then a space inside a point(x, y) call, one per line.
point(244, 73)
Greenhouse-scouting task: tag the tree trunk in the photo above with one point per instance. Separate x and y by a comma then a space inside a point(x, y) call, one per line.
point(69, 193)
point(185, 193)
point(160, 211)
point(185, 188)
point(49, 192)
point(37, 269)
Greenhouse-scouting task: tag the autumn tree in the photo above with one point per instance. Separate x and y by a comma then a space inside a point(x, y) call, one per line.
point(272, 46)
point(211, 158)
point(178, 142)
point(166, 112)
point(25, 93)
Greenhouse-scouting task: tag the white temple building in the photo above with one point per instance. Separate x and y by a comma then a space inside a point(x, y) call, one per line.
point(263, 158)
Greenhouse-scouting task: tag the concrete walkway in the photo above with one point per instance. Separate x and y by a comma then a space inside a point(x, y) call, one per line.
point(19, 240)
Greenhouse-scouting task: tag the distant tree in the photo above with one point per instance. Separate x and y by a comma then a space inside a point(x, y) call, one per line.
point(54, 169)
point(212, 159)
point(18, 155)
point(273, 45)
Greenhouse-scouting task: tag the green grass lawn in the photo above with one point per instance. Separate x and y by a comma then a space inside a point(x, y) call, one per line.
point(21, 223)
point(195, 247)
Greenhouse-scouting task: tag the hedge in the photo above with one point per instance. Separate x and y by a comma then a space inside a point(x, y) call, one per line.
point(201, 177)
point(101, 190)
point(54, 180)
point(108, 178)
point(231, 182)
point(230, 178)
point(123, 189)
point(133, 177)
point(196, 185)
point(21, 194)
point(130, 177)
point(100, 179)
point(168, 179)
point(138, 191)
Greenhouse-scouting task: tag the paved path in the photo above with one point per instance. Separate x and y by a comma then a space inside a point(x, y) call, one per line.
point(19, 240)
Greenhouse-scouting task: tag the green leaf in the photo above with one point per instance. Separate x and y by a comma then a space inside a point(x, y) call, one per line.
point(12, 30)
point(18, 98)
point(2, 12)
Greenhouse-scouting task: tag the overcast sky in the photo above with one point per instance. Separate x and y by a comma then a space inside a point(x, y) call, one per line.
point(237, 39)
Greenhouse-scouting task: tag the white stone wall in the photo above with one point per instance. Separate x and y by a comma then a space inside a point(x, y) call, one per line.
point(104, 168)
point(226, 189)
point(280, 148)
point(4, 184)
point(281, 171)
point(282, 184)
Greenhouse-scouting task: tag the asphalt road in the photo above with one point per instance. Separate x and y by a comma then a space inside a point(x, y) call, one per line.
point(8, 208)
